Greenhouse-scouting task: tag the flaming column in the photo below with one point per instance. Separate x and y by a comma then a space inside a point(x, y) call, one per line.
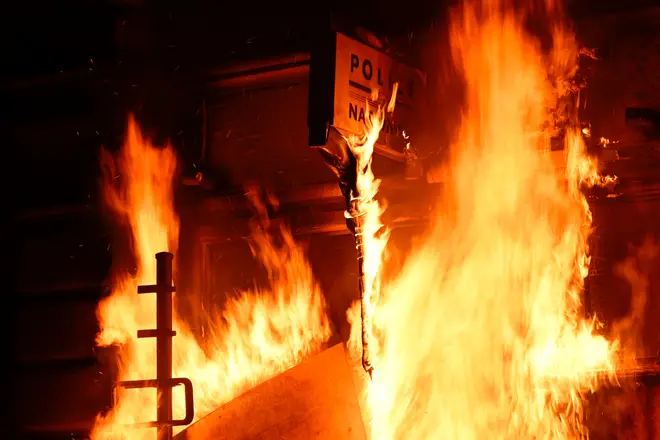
point(351, 162)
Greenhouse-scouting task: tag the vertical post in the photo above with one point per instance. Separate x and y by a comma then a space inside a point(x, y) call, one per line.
point(365, 296)
point(163, 334)
point(164, 343)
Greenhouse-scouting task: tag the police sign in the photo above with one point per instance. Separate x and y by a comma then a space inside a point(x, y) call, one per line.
point(364, 80)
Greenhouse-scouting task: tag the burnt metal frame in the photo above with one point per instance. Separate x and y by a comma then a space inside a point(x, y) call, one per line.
point(163, 333)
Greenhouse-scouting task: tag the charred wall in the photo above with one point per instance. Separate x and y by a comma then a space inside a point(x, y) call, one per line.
point(626, 73)
point(625, 76)
point(258, 126)
point(623, 288)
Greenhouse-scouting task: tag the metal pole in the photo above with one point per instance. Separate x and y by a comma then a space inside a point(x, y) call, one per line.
point(163, 334)
point(164, 343)
point(365, 313)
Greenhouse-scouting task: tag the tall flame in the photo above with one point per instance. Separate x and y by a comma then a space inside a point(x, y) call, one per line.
point(259, 334)
point(370, 237)
point(481, 335)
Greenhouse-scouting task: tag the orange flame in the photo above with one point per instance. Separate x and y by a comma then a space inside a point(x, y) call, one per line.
point(259, 334)
point(370, 237)
point(481, 335)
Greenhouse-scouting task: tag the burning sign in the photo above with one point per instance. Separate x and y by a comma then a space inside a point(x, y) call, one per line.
point(365, 79)
point(362, 80)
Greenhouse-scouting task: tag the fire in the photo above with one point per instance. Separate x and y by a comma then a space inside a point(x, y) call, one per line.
point(370, 237)
point(259, 334)
point(482, 335)
point(605, 142)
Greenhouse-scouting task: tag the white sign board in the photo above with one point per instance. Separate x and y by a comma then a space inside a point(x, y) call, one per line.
point(361, 73)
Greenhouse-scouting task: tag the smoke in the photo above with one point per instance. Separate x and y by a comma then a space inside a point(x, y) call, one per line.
point(620, 412)
point(635, 270)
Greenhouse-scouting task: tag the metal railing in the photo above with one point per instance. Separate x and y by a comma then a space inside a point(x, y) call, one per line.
point(163, 333)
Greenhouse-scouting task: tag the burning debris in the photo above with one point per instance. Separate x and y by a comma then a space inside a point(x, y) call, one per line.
point(351, 162)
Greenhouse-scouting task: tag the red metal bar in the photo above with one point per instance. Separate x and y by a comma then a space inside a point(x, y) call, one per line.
point(163, 334)
point(164, 343)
